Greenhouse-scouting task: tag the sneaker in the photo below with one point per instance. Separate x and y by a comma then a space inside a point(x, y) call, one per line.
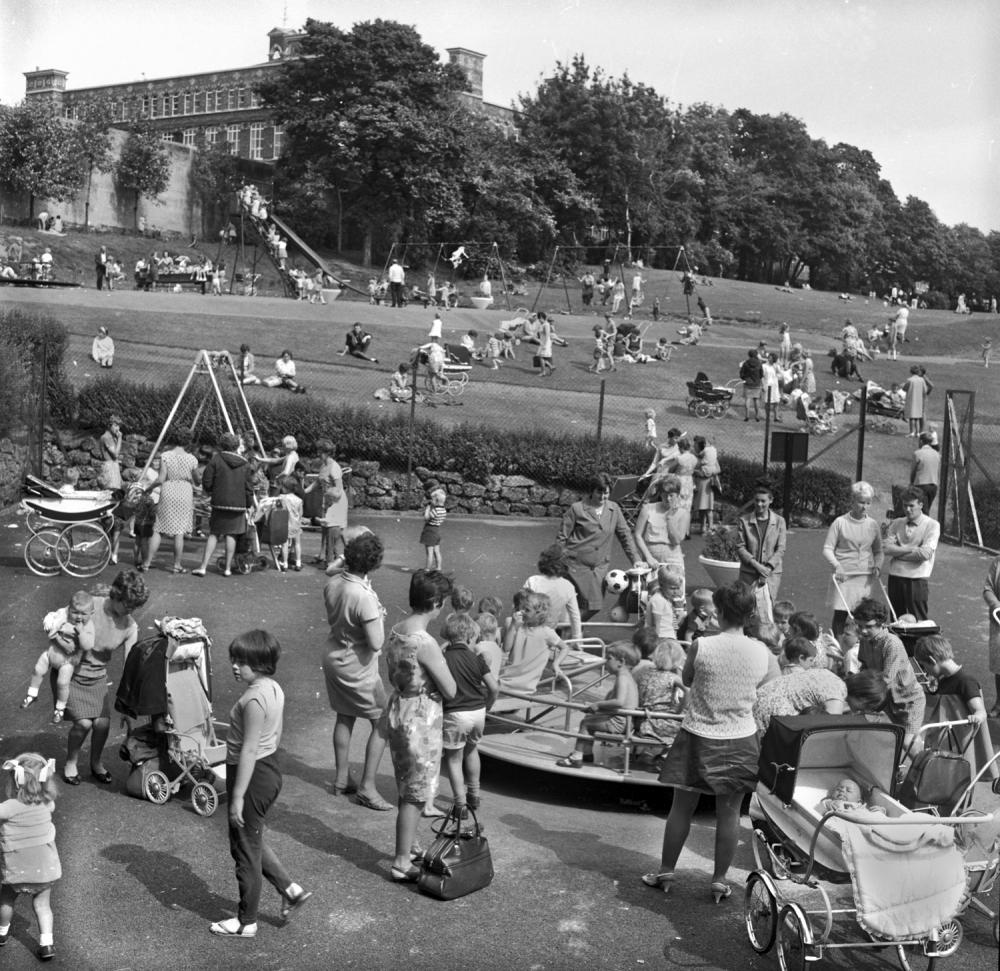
point(29, 700)
point(58, 715)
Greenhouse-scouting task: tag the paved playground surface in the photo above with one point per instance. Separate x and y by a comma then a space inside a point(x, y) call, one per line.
point(142, 882)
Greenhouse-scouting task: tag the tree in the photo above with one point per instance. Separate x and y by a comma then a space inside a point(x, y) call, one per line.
point(143, 166)
point(374, 114)
point(38, 153)
point(93, 143)
point(215, 177)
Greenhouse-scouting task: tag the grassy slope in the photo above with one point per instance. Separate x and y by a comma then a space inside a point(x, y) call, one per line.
point(157, 334)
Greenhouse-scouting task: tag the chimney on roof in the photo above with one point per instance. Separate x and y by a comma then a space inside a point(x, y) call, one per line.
point(471, 62)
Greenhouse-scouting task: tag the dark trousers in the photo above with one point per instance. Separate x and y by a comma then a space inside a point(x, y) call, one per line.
point(102, 272)
point(396, 289)
point(908, 596)
point(253, 858)
point(929, 489)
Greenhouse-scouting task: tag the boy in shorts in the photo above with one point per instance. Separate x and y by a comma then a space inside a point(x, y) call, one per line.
point(465, 714)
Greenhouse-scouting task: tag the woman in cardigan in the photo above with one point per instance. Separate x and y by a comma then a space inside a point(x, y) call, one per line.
point(228, 483)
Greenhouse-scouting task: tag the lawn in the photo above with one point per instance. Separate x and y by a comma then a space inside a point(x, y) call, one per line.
point(157, 335)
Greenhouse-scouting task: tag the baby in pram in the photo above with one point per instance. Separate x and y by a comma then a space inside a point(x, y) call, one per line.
point(846, 796)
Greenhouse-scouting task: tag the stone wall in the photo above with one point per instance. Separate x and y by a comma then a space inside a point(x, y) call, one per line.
point(370, 486)
point(13, 465)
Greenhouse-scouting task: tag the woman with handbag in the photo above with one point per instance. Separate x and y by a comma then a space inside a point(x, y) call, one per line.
point(330, 480)
point(414, 717)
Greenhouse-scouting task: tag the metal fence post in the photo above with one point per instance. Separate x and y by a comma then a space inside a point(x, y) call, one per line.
point(767, 428)
point(600, 412)
point(413, 418)
point(42, 401)
point(862, 414)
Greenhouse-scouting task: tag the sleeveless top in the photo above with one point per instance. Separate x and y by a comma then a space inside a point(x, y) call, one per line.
point(267, 694)
point(727, 671)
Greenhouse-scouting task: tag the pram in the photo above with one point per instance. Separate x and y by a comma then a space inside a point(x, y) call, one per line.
point(68, 533)
point(167, 679)
point(905, 870)
point(450, 381)
point(706, 400)
point(816, 422)
point(881, 412)
point(628, 491)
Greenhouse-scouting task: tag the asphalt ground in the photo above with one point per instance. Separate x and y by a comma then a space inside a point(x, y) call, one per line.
point(142, 882)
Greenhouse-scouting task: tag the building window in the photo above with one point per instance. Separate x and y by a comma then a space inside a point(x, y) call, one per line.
point(234, 99)
point(233, 139)
point(257, 140)
point(279, 137)
point(254, 99)
point(175, 104)
point(211, 136)
point(167, 136)
point(187, 102)
point(242, 94)
point(188, 138)
point(197, 105)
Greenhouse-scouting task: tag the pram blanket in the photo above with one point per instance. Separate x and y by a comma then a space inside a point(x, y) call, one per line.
point(907, 880)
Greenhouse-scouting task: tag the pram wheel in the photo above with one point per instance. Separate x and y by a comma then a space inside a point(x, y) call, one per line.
point(794, 938)
point(45, 551)
point(720, 409)
point(950, 938)
point(156, 788)
point(204, 798)
point(760, 912)
point(692, 405)
point(702, 409)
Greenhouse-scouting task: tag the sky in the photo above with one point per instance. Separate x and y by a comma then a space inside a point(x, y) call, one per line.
point(915, 82)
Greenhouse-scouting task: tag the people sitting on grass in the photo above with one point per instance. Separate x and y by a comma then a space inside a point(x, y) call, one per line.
point(103, 348)
point(357, 343)
point(284, 375)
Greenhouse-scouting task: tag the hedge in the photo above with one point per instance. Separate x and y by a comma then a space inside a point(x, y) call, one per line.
point(470, 450)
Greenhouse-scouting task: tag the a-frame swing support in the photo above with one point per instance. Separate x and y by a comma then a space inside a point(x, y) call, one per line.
point(208, 362)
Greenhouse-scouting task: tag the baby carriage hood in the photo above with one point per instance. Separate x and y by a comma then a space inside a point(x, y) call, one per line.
point(795, 742)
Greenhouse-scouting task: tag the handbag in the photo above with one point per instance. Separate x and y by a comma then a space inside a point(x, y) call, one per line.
point(458, 862)
point(715, 484)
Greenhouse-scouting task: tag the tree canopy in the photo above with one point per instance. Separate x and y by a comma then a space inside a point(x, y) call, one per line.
point(143, 167)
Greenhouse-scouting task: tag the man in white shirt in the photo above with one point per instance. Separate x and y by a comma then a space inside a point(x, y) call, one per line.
point(926, 469)
point(397, 277)
point(909, 547)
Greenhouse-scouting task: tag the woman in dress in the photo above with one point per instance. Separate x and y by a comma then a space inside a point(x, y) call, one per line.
point(665, 454)
point(662, 524)
point(552, 579)
point(350, 666)
point(716, 749)
point(111, 450)
point(853, 547)
point(916, 390)
point(414, 715)
point(87, 705)
point(706, 469)
point(991, 594)
point(175, 512)
point(683, 466)
point(330, 482)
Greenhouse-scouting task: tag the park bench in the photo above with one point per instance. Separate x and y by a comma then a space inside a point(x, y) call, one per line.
point(169, 281)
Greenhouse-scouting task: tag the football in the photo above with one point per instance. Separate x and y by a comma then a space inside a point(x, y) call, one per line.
point(616, 581)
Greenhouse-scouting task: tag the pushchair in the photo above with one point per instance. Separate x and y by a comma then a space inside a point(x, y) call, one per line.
point(628, 492)
point(707, 400)
point(905, 871)
point(881, 411)
point(167, 679)
point(815, 421)
point(447, 383)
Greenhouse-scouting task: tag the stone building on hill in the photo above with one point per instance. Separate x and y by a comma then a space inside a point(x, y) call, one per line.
point(221, 106)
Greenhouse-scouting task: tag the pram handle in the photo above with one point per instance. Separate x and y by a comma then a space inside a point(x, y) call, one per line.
point(996, 615)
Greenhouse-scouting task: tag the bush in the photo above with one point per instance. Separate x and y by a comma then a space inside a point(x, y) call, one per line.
point(936, 300)
point(473, 451)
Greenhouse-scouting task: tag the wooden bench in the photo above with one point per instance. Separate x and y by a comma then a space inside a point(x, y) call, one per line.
point(168, 281)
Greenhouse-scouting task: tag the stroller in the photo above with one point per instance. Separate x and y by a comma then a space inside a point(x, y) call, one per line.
point(905, 871)
point(167, 679)
point(881, 411)
point(706, 400)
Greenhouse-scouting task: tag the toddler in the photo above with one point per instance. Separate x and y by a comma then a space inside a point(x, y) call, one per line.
point(848, 642)
point(495, 350)
point(30, 861)
point(645, 641)
point(620, 659)
point(71, 632)
point(700, 619)
point(985, 350)
point(488, 646)
point(650, 440)
point(71, 478)
point(465, 714)
point(293, 504)
point(781, 612)
point(399, 384)
point(435, 514)
point(462, 602)
point(661, 689)
point(663, 349)
point(661, 605)
point(528, 644)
